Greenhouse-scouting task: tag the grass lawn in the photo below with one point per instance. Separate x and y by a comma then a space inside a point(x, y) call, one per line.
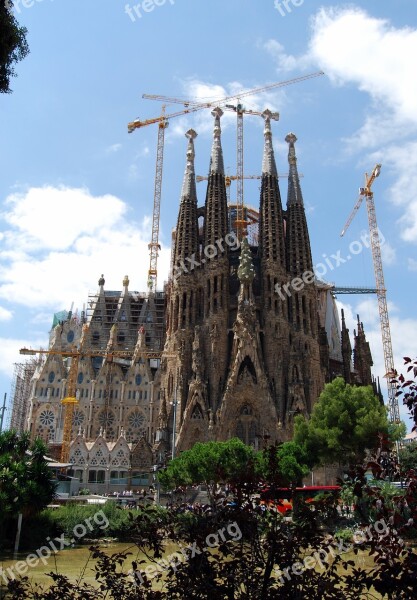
point(71, 562)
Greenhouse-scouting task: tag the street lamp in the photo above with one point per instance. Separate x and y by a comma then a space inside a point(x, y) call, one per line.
point(157, 484)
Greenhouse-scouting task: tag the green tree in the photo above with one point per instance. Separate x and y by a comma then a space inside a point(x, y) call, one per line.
point(210, 463)
point(408, 458)
point(13, 44)
point(345, 421)
point(26, 484)
point(283, 465)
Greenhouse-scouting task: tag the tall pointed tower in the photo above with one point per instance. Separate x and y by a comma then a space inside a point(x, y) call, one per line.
point(346, 351)
point(305, 373)
point(272, 253)
point(183, 305)
point(215, 272)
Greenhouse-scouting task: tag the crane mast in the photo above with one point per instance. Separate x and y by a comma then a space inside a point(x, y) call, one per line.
point(154, 246)
point(240, 216)
point(71, 400)
point(366, 192)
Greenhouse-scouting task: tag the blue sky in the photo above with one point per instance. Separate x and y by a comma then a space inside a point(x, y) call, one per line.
point(76, 190)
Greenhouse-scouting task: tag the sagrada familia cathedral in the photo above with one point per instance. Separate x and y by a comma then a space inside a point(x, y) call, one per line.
point(223, 352)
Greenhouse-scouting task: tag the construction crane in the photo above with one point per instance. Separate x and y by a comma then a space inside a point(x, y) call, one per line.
point(240, 222)
point(193, 106)
point(367, 194)
point(221, 101)
point(71, 399)
point(154, 246)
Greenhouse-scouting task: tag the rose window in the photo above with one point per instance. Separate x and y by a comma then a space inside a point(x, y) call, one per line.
point(136, 420)
point(78, 418)
point(106, 419)
point(47, 417)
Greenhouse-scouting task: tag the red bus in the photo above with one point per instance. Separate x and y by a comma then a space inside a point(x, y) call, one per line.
point(284, 498)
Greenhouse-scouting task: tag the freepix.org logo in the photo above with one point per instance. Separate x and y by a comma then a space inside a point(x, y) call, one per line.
point(284, 6)
point(137, 11)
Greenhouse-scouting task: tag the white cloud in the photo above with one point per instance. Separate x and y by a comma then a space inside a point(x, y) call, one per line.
point(53, 218)
point(284, 61)
point(96, 238)
point(412, 264)
point(5, 315)
point(9, 352)
point(113, 148)
point(352, 46)
point(389, 254)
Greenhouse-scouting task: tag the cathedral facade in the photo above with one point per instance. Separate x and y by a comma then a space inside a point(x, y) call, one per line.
point(242, 339)
point(245, 346)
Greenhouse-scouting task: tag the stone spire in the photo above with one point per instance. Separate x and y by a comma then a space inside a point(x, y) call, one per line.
point(271, 226)
point(346, 350)
point(295, 195)
point(216, 159)
point(362, 357)
point(298, 242)
point(268, 164)
point(215, 222)
point(186, 242)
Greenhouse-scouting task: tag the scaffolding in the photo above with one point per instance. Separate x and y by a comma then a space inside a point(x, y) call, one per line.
point(144, 309)
point(21, 392)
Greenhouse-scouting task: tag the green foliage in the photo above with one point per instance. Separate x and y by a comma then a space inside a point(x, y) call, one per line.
point(345, 421)
point(26, 484)
point(345, 534)
point(397, 431)
point(407, 388)
point(13, 44)
point(408, 458)
point(210, 463)
point(283, 464)
point(25, 479)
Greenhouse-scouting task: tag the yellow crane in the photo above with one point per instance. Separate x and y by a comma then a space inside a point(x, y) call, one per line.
point(367, 194)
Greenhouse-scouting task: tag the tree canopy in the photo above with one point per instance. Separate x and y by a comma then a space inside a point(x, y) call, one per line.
point(232, 463)
point(209, 463)
point(408, 458)
point(13, 45)
point(26, 484)
point(345, 421)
